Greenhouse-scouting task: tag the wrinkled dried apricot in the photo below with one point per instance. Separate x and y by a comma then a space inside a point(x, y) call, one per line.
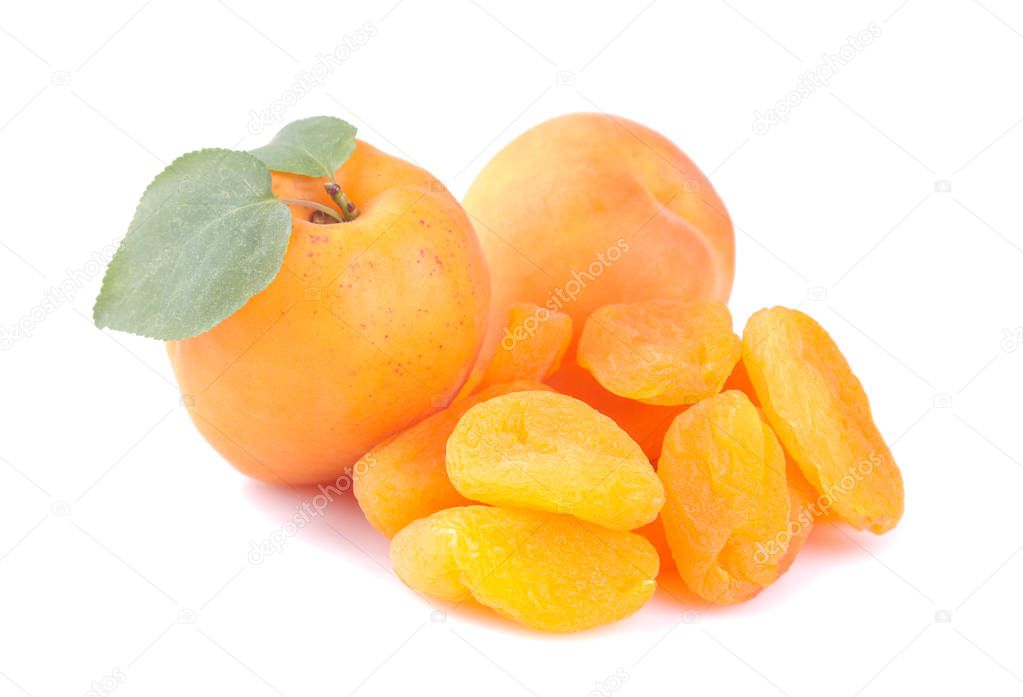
point(550, 452)
point(404, 478)
point(802, 513)
point(532, 346)
point(547, 571)
point(821, 414)
point(727, 498)
point(660, 352)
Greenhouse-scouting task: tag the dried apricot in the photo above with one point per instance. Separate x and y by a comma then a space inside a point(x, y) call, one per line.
point(821, 414)
point(550, 452)
point(802, 497)
point(533, 344)
point(547, 571)
point(404, 478)
point(660, 352)
point(727, 498)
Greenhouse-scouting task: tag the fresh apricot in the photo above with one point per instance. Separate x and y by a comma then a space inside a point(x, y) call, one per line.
point(370, 326)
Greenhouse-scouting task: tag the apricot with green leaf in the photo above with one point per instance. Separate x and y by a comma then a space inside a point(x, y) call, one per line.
point(317, 295)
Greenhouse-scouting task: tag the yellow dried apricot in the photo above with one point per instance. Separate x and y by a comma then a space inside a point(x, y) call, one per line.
point(821, 414)
point(547, 571)
point(404, 478)
point(550, 452)
point(660, 352)
point(727, 498)
point(533, 344)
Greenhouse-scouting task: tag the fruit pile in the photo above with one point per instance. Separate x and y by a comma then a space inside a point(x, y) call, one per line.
point(546, 443)
point(729, 505)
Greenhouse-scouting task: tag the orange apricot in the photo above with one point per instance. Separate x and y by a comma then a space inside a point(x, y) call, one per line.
point(821, 414)
point(370, 326)
point(660, 352)
point(404, 478)
point(727, 502)
point(586, 210)
point(532, 346)
point(803, 512)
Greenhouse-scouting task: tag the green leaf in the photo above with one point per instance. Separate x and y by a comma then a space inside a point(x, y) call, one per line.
point(315, 147)
point(207, 235)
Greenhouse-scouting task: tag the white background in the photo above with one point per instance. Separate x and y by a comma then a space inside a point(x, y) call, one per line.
point(124, 539)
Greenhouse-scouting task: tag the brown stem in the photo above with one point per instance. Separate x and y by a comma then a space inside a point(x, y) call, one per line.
point(348, 210)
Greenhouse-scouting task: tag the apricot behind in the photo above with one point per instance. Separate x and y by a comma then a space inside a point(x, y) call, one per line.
point(370, 326)
point(586, 210)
